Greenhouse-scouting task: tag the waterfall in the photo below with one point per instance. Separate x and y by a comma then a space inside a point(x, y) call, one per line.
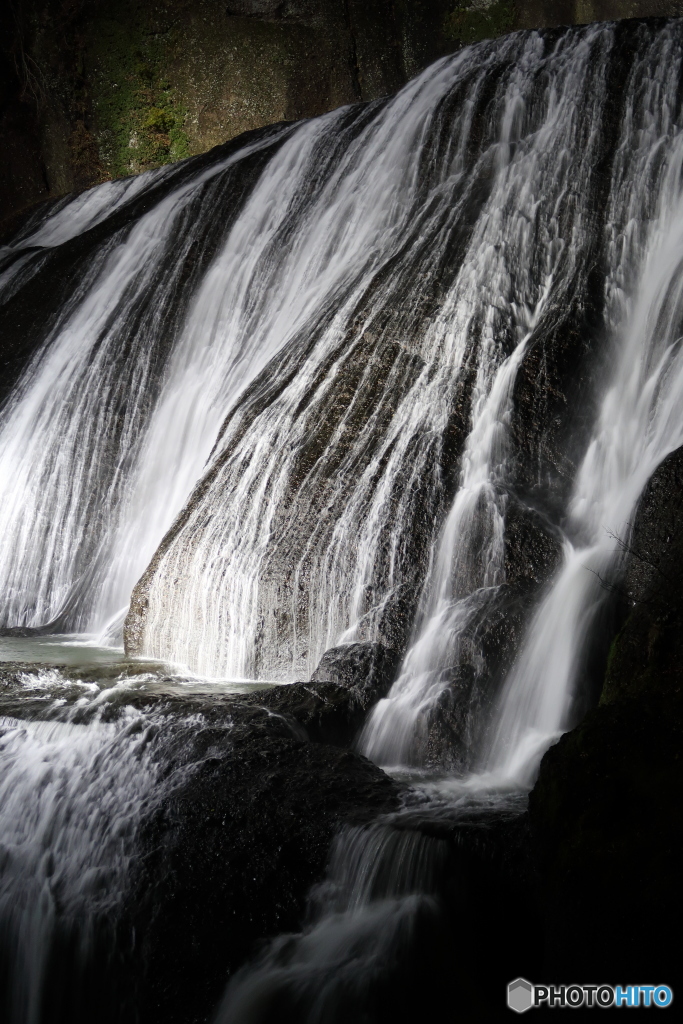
point(378, 897)
point(275, 399)
point(295, 361)
point(86, 432)
point(637, 425)
point(377, 943)
point(71, 797)
point(310, 523)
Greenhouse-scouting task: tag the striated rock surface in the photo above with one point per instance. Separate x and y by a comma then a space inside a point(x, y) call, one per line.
point(378, 405)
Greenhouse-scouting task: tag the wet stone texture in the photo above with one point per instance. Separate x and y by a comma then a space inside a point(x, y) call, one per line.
point(231, 853)
point(368, 669)
point(532, 555)
point(606, 810)
point(333, 706)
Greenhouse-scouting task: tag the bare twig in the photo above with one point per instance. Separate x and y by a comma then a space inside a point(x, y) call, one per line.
point(28, 71)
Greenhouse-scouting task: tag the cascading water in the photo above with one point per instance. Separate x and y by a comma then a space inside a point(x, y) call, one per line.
point(88, 434)
point(378, 897)
point(639, 421)
point(71, 798)
point(637, 426)
point(465, 182)
point(378, 926)
point(73, 430)
point(292, 368)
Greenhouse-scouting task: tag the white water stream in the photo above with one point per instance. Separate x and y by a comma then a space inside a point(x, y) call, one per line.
point(639, 422)
point(71, 797)
point(296, 551)
point(287, 335)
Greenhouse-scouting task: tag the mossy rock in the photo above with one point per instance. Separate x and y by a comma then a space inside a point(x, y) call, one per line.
point(139, 115)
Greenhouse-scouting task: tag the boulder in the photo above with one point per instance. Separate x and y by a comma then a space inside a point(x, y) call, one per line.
point(606, 809)
point(321, 712)
point(368, 669)
point(333, 706)
point(228, 856)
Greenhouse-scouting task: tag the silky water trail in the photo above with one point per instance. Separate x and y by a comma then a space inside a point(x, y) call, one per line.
point(637, 425)
point(368, 918)
point(96, 462)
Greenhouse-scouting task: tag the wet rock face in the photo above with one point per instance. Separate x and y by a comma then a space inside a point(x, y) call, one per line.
point(655, 549)
point(353, 393)
point(532, 555)
point(487, 650)
point(367, 669)
point(321, 712)
point(554, 392)
point(606, 815)
point(606, 809)
point(230, 855)
point(532, 547)
point(334, 705)
point(552, 411)
point(647, 654)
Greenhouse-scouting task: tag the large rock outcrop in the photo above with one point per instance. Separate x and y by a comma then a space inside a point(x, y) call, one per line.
point(230, 855)
point(356, 497)
point(606, 810)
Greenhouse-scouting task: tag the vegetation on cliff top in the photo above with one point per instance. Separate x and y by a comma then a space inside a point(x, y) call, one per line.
point(139, 116)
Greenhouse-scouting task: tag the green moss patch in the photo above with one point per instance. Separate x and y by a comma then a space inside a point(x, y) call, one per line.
point(139, 117)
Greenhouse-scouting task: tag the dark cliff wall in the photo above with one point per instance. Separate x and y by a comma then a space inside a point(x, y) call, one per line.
point(91, 90)
point(606, 809)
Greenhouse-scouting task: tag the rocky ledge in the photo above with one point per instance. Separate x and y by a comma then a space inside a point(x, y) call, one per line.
point(230, 855)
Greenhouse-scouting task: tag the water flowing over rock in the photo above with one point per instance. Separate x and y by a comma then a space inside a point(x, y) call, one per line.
point(385, 406)
point(606, 807)
point(384, 939)
point(123, 890)
point(358, 425)
point(634, 426)
point(330, 331)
